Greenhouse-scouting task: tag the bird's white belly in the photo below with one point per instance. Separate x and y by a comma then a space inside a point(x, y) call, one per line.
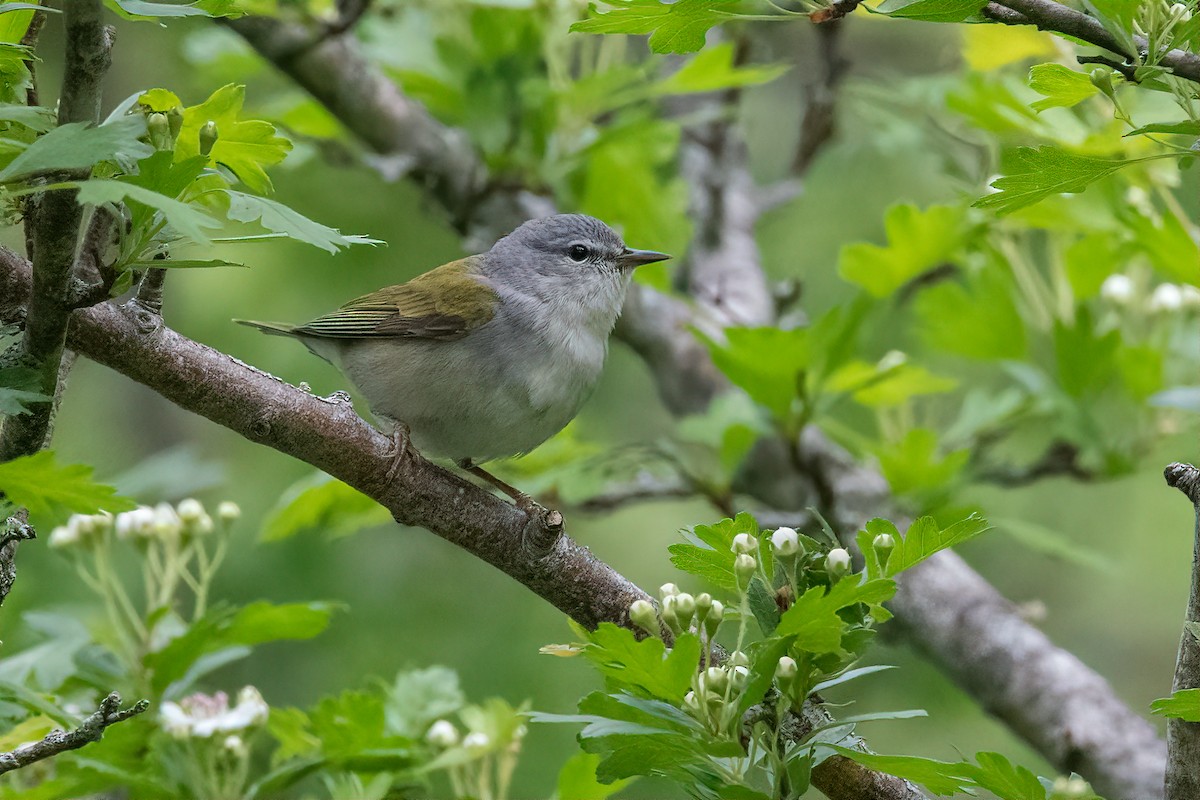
point(480, 403)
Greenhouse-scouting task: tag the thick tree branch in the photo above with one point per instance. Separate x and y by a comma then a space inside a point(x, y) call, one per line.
point(329, 435)
point(1048, 15)
point(54, 220)
point(1183, 738)
point(58, 741)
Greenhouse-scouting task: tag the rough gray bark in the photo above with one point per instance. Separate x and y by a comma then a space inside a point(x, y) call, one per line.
point(53, 220)
point(1183, 738)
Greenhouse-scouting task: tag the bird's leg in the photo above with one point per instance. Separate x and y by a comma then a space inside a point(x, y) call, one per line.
point(522, 500)
point(400, 445)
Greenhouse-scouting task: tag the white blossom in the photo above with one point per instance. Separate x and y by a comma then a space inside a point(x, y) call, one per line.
point(190, 510)
point(1166, 297)
point(744, 543)
point(135, 524)
point(202, 716)
point(442, 734)
point(228, 511)
point(1117, 289)
point(837, 562)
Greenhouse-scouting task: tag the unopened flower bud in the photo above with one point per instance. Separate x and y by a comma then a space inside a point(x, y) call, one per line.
point(715, 680)
point(642, 614)
point(476, 741)
point(738, 659)
point(744, 567)
point(208, 137)
point(166, 522)
point(236, 745)
point(786, 671)
point(884, 543)
point(713, 621)
point(685, 609)
point(159, 128)
point(1117, 289)
point(1179, 13)
point(666, 590)
point(64, 536)
point(1101, 78)
point(175, 121)
point(669, 617)
point(785, 543)
point(228, 511)
point(442, 734)
point(745, 543)
point(190, 510)
point(837, 563)
point(1166, 297)
point(739, 676)
point(690, 702)
point(704, 602)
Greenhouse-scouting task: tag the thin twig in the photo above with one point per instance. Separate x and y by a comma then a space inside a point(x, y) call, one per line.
point(1183, 738)
point(59, 741)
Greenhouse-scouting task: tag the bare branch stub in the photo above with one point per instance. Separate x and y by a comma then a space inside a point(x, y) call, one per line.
point(58, 741)
point(1183, 738)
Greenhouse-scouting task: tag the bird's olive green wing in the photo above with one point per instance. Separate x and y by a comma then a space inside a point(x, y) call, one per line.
point(443, 304)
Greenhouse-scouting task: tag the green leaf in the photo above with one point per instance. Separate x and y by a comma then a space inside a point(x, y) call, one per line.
point(931, 10)
point(813, 619)
point(1184, 705)
point(222, 627)
point(1038, 174)
point(678, 27)
point(714, 560)
point(976, 318)
point(1000, 777)
point(79, 145)
point(1169, 246)
point(161, 100)
point(940, 777)
point(244, 146)
point(925, 537)
point(918, 241)
point(766, 363)
point(713, 68)
point(36, 118)
point(1092, 258)
point(41, 485)
point(644, 664)
point(1061, 86)
point(186, 219)
point(135, 9)
point(577, 779)
point(19, 389)
point(320, 502)
point(899, 385)
point(849, 675)
point(279, 218)
point(1188, 127)
point(1086, 361)
point(914, 465)
point(419, 697)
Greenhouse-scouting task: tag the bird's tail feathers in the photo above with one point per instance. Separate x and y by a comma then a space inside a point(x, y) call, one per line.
point(273, 328)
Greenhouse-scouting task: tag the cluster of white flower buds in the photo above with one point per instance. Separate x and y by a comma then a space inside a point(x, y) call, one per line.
point(679, 612)
point(1167, 298)
point(202, 716)
point(81, 530)
point(163, 523)
point(442, 735)
point(715, 684)
point(745, 563)
point(1073, 786)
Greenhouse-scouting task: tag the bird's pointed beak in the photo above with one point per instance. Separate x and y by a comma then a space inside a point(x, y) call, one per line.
point(632, 259)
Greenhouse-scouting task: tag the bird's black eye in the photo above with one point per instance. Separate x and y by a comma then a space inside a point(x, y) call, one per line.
point(577, 252)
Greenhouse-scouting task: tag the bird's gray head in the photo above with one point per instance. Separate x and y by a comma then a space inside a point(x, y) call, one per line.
point(573, 267)
point(572, 245)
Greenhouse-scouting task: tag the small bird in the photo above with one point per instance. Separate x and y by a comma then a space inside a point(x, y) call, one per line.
point(491, 355)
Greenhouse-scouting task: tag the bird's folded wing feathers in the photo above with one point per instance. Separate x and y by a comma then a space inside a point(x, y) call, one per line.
point(444, 303)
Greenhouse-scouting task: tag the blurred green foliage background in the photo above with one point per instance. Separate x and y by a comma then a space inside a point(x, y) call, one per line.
point(413, 600)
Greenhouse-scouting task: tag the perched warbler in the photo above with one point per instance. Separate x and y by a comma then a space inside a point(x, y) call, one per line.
point(491, 355)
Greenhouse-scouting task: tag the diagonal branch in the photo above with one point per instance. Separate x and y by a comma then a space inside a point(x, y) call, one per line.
point(327, 434)
point(58, 741)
